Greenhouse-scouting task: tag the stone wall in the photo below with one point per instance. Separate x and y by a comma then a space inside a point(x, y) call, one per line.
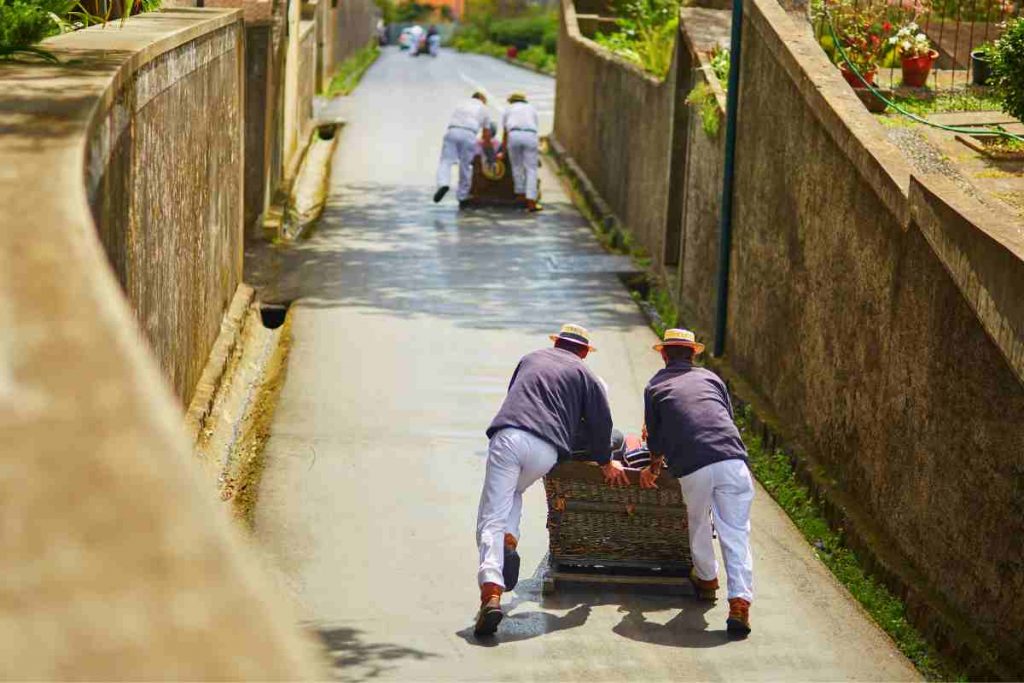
point(355, 25)
point(117, 561)
point(615, 122)
point(164, 178)
point(874, 317)
point(844, 320)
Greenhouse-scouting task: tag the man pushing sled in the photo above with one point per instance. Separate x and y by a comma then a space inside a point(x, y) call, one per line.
point(552, 395)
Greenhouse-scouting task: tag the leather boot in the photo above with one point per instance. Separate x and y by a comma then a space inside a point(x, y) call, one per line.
point(705, 590)
point(510, 571)
point(738, 623)
point(490, 614)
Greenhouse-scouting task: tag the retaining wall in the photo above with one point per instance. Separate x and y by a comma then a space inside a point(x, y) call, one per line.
point(876, 318)
point(164, 180)
point(615, 121)
point(117, 562)
point(842, 316)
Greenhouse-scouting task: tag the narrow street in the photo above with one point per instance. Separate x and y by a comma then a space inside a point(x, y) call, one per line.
point(408, 320)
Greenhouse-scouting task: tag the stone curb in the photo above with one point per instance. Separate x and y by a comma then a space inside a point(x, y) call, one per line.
point(210, 381)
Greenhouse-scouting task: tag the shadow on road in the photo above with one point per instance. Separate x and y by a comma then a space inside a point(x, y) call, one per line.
point(363, 661)
point(687, 629)
point(388, 249)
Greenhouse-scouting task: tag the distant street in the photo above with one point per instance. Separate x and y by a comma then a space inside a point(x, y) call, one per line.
point(409, 319)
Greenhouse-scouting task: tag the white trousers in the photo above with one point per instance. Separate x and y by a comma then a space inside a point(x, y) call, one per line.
point(459, 148)
point(523, 154)
point(515, 460)
point(727, 489)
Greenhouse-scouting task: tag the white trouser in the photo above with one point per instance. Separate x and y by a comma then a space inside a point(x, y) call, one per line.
point(459, 148)
point(515, 460)
point(727, 489)
point(434, 44)
point(522, 152)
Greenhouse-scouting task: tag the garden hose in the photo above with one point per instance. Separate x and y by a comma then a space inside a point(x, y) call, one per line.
point(996, 131)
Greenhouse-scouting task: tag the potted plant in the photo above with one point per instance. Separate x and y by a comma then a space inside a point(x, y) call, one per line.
point(916, 55)
point(981, 64)
point(861, 31)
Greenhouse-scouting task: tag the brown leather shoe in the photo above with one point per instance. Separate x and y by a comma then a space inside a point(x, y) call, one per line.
point(488, 618)
point(704, 589)
point(738, 623)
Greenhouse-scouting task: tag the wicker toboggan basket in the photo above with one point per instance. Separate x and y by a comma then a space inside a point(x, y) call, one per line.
point(591, 524)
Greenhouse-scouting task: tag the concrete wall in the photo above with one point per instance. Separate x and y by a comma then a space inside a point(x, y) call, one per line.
point(874, 317)
point(164, 181)
point(354, 26)
point(117, 562)
point(615, 121)
point(843, 318)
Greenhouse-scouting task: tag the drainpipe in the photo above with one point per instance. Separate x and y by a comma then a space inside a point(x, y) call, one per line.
point(725, 224)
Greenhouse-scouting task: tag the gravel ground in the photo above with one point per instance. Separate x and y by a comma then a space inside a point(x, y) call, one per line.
point(926, 158)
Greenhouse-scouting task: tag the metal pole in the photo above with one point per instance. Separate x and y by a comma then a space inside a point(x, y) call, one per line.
point(725, 224)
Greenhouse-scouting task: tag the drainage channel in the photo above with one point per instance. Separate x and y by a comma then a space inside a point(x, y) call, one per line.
point(273, 315)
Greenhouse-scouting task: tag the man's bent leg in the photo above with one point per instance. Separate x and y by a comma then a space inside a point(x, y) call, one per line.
point(697, 490)
point(495, 505)
point(467, 150)
point(537, 457)
point(449, 156)
point(530, 158)
point(733, 495)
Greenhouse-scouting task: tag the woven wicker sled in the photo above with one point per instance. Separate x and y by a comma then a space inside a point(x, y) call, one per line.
point(494, 189)
point(600, 534)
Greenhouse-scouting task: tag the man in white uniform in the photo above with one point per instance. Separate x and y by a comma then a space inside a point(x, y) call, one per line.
point(552, 398)
point(690, 427)
point(415, 36)
point(521, 122)
point(460, 146)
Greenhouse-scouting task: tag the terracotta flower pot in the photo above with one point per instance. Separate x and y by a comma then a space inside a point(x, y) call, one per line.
point(917, 69)
point(854, 81)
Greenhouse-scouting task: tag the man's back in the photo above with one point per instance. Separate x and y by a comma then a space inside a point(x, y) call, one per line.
point(550, 392)
point(689, 418)
point(470, 114)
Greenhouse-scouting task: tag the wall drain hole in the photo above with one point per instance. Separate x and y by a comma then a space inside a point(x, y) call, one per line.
point(327, 131)
point(273, 315)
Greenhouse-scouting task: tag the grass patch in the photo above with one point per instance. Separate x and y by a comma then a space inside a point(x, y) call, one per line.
point(775, 472)
point(349, 72)
point(947, 102)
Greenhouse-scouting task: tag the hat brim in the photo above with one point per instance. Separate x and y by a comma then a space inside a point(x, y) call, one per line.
point(557, 337)
point(696, 346)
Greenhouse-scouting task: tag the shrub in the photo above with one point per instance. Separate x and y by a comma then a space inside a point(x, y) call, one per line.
point(523, 32)
point(1008, 69)
point(646, 34)
point(702, 98)
point(24, 23)
point(538, 57)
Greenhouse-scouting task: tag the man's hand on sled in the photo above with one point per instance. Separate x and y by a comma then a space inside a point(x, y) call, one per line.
point(613, 473)
point(648, 477)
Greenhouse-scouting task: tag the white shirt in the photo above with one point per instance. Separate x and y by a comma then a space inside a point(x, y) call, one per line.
point(471, 114)
point(520, 115)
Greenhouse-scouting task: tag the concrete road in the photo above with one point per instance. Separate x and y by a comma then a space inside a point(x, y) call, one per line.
point(409, 319)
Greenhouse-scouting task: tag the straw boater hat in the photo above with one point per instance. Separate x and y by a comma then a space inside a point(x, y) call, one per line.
point(575, 334)
point(517, 96)
point(678, 337)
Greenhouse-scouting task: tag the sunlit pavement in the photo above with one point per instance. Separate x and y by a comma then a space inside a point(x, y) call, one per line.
point(409, 319)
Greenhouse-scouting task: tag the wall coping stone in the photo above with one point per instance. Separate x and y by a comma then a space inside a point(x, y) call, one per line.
point(834, 103)
point(983, 251)
point(103, 469)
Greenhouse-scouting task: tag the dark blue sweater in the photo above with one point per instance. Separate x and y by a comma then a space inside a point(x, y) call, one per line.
point(689, 419)
point(553, 394)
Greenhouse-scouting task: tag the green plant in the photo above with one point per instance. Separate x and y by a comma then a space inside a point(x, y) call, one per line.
point(1008, 69)
point(719, 58)
point(774, 471)
point(702, 98)
point(411, 12)
point(538, 57)
point(646, 34)
point(863, 31)
point(524, 31)
point(346, 78)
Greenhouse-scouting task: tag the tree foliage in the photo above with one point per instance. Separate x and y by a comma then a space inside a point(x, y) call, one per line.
point(1008, 69)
